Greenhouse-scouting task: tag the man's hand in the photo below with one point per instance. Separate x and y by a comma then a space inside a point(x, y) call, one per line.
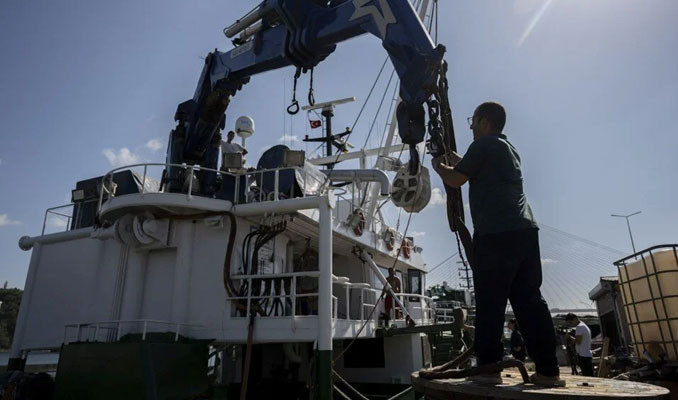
point(453, 158)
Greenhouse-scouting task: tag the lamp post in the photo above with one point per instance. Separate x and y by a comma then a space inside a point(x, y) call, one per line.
point(629, 226)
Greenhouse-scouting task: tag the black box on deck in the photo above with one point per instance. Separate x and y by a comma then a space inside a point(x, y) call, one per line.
point(85, 197)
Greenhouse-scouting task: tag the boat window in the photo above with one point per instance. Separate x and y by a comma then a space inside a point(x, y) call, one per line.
point(415, 281)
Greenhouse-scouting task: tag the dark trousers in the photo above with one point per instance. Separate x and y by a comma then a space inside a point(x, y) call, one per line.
point(586, 365)
point(508, 267)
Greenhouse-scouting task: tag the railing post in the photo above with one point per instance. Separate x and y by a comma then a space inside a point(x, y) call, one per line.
point(294, 296)
point(236, 195)
point(96, 332)
point(190, 182)
point(176, 334)
point(324, 355)
point(143, 335)
point(118, 333)
point(143, 182)
point(276, 184)
point(44, 222)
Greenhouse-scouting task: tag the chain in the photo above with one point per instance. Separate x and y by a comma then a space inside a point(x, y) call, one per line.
point(294, 107)
point(311, 97)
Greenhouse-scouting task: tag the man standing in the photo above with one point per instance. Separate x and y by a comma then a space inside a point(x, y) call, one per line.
point(507, 262)
point(582, 341)
point(394, 281)
point(229, 147)
point(517, 343)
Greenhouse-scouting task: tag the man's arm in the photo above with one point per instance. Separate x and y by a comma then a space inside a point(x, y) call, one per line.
point(448, 174)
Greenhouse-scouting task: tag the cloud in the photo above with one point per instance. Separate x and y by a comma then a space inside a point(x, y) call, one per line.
point(549, 261)
point(288, 138)
point(438, 197)
point(416, 234)
point(57, 222)
point(154, 145)
point(6, 221)
point(121, 158)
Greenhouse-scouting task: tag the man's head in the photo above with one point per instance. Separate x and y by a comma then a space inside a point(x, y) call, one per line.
point(512, 324)
point(488, 118)
point(572, 320)
point(391, 272)
point(230, 136)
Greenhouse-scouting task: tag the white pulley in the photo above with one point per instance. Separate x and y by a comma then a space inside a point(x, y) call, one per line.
point(411, 192)
point(125, 231)
point(141, 226)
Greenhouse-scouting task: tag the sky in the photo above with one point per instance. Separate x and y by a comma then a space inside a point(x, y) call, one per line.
point(590, 87)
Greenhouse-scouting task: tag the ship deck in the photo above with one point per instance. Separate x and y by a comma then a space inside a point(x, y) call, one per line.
point(577, 387)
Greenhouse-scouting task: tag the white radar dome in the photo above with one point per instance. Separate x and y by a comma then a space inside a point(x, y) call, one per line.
point(244, 126)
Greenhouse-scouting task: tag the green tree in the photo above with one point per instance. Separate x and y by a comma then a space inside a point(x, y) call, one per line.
point(10, 298)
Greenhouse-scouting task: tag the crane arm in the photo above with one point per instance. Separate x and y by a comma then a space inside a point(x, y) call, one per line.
point(302, 33)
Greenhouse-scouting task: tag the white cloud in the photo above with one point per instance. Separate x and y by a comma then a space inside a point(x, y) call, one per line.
point(5, 221)
point(416, 234)
point(289, 138)
point(58, 222)
point(438, 197)
point(154, 145)
point(121, 158)
point(549, 261)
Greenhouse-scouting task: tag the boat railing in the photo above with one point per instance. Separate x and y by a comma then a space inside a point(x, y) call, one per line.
point(248, 187)
point(55, 216)
point(276, 295)
point(420, 309)
point(444, 314)
point(61, 217)
point(112, 331)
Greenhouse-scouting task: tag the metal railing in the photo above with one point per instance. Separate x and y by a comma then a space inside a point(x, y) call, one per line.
point(112, 332)
point(282, 288)
point(52, 213)
point(252, 193)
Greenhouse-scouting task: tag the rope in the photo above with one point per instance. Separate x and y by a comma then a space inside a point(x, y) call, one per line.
point(354, 390)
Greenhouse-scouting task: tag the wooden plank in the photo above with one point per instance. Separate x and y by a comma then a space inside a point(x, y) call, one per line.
point(578, 387)
point(602, 366)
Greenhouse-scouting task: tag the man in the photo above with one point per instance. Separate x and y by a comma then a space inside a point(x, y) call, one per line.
point(507, 263)
point(517, 343)
point(228, 147)
point(394, 281)
point(582, 340)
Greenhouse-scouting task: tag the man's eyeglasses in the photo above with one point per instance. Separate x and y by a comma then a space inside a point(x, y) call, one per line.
point(470, 120)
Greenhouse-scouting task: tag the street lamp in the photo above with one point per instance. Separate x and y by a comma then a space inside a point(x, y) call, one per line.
point(629, 226)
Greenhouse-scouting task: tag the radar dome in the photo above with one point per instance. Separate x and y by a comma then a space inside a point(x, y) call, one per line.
point(244, 126)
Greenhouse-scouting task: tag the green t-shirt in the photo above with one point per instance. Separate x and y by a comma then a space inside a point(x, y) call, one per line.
point(498, 202)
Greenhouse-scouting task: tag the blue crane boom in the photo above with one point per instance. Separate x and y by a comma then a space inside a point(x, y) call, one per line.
point(302, 33)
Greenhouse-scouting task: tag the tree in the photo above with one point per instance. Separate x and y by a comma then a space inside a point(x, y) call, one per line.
point(10, 298)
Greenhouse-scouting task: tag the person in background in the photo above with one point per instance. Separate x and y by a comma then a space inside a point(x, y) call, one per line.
point(517, 343)
point(582, 341)
point(228, 147)
point(395, 283)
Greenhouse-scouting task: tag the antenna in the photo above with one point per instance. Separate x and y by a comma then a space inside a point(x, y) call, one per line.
point(330, 139)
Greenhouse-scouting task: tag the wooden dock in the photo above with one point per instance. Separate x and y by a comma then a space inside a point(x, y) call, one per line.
point(578, 387)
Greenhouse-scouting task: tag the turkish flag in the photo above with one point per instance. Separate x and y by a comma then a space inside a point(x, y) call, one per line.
point(315, 123)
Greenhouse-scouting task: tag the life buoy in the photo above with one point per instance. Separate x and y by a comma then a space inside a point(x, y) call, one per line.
point(389, 239)
point(358, 222)
point(406, 248)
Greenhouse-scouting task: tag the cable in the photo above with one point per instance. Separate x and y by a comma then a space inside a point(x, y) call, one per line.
point(442, 262)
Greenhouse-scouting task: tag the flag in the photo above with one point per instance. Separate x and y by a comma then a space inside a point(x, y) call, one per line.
point(315, 123)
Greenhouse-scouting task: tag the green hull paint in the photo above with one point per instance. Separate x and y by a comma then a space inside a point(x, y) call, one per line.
point(323, 362)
